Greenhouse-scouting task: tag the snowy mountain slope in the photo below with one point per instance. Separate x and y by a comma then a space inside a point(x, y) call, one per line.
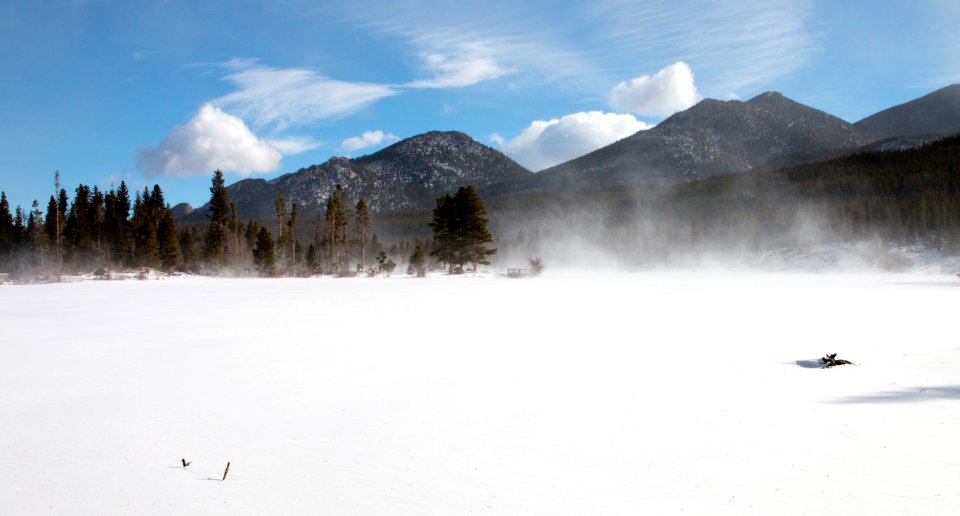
point(712, 137)
point(407, 175)
point(935, 113)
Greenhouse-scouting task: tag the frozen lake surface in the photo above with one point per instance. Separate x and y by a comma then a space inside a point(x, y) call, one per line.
point(618, 394)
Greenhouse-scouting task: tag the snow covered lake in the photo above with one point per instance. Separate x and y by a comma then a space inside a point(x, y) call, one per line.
point(619, 394)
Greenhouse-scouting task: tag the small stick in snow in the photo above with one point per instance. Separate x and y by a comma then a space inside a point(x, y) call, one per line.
point(185, 463)
point(226, 471)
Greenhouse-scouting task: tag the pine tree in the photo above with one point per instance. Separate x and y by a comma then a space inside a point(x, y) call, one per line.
point(168, 244)
point(50, 225)
point(292, 231)
point(280, 208)
point(117, 225)
point(78, 234)
point(37, 233)
point(19, 228)
point(61, 219)
point(217, 229)
point(145, 243)
point(264, 256)
point(362, 221)
point(97, 216)
point(474, 233)
point(460, 230)
point(445, 237)
point(6, 227)
point(337, 240)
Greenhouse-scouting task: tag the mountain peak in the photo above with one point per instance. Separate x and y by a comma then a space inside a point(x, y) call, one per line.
point(937, 112)
point(408, 175)
point(773, 99)
point(767, 95)
point(717, 137)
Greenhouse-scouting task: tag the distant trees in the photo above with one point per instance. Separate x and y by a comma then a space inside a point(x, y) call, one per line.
point(384, 264)
point(94, 232)
point(460, 230)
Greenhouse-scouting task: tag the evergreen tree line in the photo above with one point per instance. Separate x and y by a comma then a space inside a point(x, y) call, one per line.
point(92, 231)
point(342, 242)
point(108, 232)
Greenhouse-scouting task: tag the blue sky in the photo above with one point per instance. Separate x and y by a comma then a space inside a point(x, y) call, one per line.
point(164, 92)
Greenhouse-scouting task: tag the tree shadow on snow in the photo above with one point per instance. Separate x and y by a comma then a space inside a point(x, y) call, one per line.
point(810, 364)
point(946, 392)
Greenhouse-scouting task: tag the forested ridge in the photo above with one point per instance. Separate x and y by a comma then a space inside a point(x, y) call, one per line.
point(909, 196)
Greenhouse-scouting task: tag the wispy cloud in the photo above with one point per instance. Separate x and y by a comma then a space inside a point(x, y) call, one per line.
point(293, 144)
point(468, 65)
point(735, 46)
point(212, 139)
point(548, 142)
point(280, 98)
point(367, 139)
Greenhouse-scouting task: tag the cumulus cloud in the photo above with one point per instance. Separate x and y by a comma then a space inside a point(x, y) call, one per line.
point(367, 139)
point(282, 98)
point(664, 93)
point(212, 139)
point(468, 65)
point(549, 142)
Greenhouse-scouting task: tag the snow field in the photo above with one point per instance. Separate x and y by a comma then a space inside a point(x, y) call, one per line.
point(657, 393)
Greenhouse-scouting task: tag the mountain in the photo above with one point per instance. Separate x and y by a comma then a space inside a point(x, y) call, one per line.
point(408, 175)
point(935, 113)
point(713, 137)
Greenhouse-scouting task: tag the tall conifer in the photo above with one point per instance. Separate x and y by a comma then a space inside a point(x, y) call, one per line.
point(216, 229)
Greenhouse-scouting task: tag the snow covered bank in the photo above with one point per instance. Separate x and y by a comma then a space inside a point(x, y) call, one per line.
point(659, 393)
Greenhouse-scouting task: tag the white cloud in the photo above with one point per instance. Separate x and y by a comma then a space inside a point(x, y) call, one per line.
point(367, 139)
point(212, 139)
point(468, 65)
point(549, 142)
point(668, 91)
point(283, 98)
